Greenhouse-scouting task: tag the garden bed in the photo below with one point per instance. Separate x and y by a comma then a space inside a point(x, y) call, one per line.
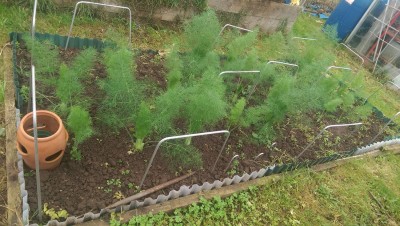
point(81, 186)
point(111, 168)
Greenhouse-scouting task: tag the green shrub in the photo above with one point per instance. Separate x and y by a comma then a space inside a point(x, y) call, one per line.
point(332, 105)
point(205, 102)
point(201, 33)
point(168, 108)
point(143, 125)
point(83, 63)
point(80, 124)
point(69, 89)
point(174, 65)
point(123, 92)
point(45, 58)
point(199, 104)
point(241, 45)
point(274, 46)
point(278, 102)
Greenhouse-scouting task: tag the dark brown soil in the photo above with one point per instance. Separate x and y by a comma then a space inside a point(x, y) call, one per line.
point(110, 170)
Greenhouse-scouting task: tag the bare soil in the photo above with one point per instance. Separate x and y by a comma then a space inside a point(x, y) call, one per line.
point(83, 186)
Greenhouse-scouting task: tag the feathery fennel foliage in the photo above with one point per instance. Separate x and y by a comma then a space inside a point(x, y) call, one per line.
point(123, 92)
point(201, 32)
point(236, 113)
point(83, 63)
point(69, 88)
point(183, 157)
point(199, 104)
point(205, 102)
point(174, 65)
point(168, 109)
point(80, 124)
point(240, 45)
point(195, 91)
point(45, 58)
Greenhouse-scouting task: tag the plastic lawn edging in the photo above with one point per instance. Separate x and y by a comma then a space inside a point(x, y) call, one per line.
point(79, 43)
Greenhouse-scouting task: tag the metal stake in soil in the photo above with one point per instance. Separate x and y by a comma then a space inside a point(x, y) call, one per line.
point(100, 4)
point(323, 130)
point(230, 162)
point(182, 137)
point(284, 63)
point(34, 119)
point(386, 125)
point(35, 136)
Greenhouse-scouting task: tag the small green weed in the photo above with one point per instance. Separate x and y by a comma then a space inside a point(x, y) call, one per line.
point(53, 214)
point(234, 168)
point(114, 182)
point(125, 172)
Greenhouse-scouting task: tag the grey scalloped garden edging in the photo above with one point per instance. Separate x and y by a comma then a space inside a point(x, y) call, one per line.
point(183, 190)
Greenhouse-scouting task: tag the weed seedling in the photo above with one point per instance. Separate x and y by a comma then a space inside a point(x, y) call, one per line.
point(118, 195)
point(53, 214)
point(234, 168)
point(114, 182)
point(125, 172)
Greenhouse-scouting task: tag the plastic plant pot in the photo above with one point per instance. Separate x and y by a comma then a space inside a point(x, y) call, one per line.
point(52, 140)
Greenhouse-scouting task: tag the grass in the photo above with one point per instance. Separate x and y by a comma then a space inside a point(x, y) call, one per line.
point(361, 192)
point(16, 18)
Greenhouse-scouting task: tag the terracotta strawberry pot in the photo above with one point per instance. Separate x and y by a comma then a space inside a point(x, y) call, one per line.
point(52, 140)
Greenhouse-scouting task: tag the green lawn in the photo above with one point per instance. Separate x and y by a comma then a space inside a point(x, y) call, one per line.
point(361, 192)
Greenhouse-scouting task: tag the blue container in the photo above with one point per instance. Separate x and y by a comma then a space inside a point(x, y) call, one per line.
point(347, 15)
